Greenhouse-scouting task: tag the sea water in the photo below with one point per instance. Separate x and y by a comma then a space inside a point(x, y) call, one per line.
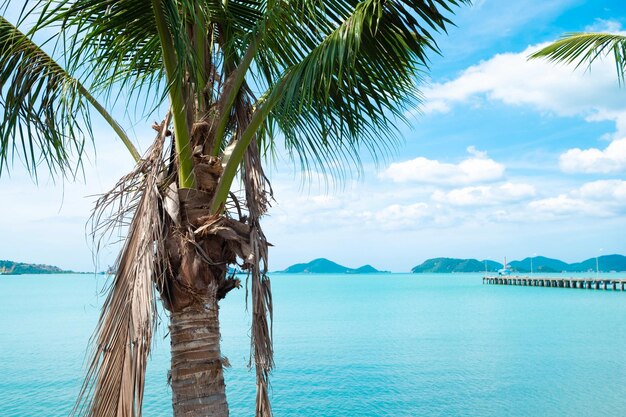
point(350, 345)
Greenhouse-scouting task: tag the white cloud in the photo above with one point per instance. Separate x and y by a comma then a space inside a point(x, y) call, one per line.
point(475, 169)
point(604, 25)
point(512, 79)
point(607, 191)
point(386, 217)
point(564, 205)
point(398, 216)
point(57, 213)
point(486, 195)
point(609, 160)
point(605, 198)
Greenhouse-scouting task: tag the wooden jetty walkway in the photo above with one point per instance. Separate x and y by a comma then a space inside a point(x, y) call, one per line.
point(558, 282)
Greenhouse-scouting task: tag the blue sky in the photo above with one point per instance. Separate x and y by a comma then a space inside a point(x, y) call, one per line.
point(505, 158)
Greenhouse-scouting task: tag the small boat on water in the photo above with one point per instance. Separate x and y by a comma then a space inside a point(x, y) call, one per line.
point(505, 269)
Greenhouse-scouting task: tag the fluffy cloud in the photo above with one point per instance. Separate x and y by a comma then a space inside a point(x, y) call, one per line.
point(398, 216)
point(512, 79)
point(604, 25)
point(609, 160)
point(564, 205)
point(486, 194)
point(608, 191)
point(383, 208)
point(605, 198)
point(477, 168)
point(57, 212)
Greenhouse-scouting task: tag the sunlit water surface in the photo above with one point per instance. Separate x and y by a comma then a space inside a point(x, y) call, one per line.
point(353, 345)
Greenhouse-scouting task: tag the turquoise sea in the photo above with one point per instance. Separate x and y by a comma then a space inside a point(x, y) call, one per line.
point(347, 346)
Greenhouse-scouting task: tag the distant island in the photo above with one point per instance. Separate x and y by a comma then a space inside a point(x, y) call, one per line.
point(606, 263)
point(539, 264)
point(451, 265)
point(18, 268)
point(325, 266)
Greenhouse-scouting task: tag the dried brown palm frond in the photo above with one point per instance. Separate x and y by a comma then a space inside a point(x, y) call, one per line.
point(114, 382)
point(258, 194)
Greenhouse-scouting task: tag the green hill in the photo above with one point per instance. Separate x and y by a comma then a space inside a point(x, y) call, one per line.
point(325, 266)
point(448, 265)
point(605, 263)
point(17, 268)
point(365, 269)
point(539, 264)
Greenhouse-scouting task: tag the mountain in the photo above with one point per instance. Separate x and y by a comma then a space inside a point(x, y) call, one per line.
point(365, 269)
point(17, 268)
point(605, 263)
point(448, 265)
point(325, 266)
point(539, 264)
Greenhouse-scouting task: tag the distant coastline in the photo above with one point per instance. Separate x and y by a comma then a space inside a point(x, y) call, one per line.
point(605, 263)
point(20, 268)
point(325, 266)
point(537, 264)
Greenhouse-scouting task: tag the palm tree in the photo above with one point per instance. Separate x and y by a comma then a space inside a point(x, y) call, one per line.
point(233, 79)
point(585, 48)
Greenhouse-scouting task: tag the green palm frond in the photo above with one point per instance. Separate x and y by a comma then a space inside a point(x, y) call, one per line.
point(116, 42)
point(585, 48)
point(152, 49)
point(305, 24)
point(45, 111)
point(348, 75)
point(44, 118)
point(339, 86)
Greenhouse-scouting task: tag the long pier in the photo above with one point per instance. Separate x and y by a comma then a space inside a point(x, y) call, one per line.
point(615, 284)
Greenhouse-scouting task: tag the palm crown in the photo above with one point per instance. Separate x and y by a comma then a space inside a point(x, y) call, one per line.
point(325, 77)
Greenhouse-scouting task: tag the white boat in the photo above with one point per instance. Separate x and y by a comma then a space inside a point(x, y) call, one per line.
point(505, 269)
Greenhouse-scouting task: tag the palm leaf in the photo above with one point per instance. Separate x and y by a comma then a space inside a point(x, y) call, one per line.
point(116, 42)
point(45, 111)
point(45, 119)
point(115, 377)
point(585, 48)
point(346, 92)
point(348, 76)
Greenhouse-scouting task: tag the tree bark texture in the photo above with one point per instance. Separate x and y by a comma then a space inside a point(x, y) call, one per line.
point(198, 387)
point(199, 250)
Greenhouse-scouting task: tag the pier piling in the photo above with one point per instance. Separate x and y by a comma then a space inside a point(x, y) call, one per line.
point(615, 284)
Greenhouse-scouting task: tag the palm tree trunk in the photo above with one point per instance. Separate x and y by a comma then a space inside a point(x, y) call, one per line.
point(198, 387)
point(197, 280)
